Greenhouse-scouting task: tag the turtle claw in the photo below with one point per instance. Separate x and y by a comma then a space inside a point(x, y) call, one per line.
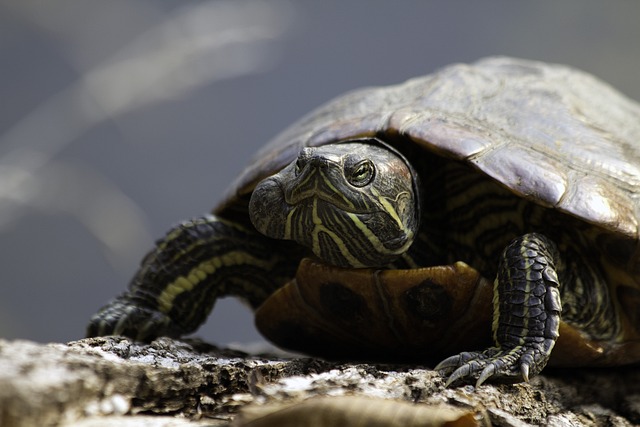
point(452, 363)
point(449, 364)
point(524, 371)
point(122, 317)
point(462, 372)
point(458, 367)
point(486, 373)
point(506, 366)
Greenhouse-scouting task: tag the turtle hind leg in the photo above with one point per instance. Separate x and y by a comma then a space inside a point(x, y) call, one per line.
point(179, 281)
point(526, 317)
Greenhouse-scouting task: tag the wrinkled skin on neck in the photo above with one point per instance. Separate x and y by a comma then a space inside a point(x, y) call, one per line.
point(352, 203)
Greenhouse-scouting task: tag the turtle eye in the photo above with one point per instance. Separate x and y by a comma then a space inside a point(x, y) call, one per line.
point(362, 173)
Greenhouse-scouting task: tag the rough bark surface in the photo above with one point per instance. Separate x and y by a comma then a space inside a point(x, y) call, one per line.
point(113, 381)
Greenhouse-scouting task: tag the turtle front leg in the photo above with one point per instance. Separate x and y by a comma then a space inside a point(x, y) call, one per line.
point(179, 281)
point(526, 317)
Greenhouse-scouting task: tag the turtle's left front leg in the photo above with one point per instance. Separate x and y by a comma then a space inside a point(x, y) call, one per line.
point(527, 308)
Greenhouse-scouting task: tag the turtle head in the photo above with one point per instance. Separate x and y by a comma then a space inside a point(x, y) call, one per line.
point(353, 203)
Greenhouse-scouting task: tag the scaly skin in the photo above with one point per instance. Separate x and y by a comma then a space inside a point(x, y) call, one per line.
point(526, 317)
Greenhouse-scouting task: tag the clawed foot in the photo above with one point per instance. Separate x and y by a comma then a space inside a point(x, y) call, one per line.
point(526, 324)
point(122, 317)
point(500, 365)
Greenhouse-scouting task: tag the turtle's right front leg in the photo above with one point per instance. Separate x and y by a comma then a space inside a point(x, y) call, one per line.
point(526, 323)
point(178, 282)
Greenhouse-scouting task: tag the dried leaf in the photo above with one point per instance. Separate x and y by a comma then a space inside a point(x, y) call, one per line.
point(352, 411)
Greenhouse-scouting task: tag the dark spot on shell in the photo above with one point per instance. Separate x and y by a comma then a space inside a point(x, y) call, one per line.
point(428, 301)
point(342, 302)
point(287, 333)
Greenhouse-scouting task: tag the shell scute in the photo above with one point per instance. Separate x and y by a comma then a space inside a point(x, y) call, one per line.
point(420, 314)
point(537, 128)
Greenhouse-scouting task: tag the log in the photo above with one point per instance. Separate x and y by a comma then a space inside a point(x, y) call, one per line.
point(114, 381)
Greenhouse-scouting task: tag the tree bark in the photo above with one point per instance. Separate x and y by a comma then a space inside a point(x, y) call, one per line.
point(113, 381)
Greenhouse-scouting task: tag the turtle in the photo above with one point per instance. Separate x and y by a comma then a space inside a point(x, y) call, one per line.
point(480, 214)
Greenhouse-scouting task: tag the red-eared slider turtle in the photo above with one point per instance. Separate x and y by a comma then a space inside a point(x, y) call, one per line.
point(519, 171)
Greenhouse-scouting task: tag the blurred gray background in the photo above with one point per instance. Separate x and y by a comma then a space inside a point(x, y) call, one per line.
point(119, 118)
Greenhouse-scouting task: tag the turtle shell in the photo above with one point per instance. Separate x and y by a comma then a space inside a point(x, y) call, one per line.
point(554, 135)
point(392, 315)
point(419, 315)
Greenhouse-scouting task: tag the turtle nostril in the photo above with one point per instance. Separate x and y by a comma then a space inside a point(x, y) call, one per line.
point(308, 156)
point(318, 163)
point(303, 158)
